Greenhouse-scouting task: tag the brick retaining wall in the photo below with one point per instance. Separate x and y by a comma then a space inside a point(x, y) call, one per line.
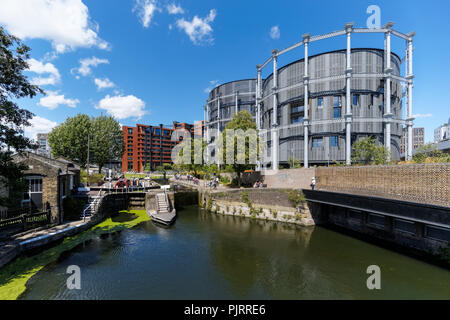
point(422, 183)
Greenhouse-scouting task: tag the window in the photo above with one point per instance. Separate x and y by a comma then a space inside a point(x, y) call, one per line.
point(158, 132)
point(337, 112)
point(356, 99)
point(334, 141)
point(297, 112)
point(130, 131)
point(320, 102)
point(370, 99)
point(337, 101)
point(317, 142)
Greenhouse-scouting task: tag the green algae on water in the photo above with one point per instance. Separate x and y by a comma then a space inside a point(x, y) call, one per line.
point(15, 275)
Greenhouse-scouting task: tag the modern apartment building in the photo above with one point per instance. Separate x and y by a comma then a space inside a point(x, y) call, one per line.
point(442, 133)
point(44, 147)
point(418, 139)
point(147, 147)
point(313, 109)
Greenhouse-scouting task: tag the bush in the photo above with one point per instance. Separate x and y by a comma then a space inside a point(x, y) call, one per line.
point(93, 178)
point(296, 198)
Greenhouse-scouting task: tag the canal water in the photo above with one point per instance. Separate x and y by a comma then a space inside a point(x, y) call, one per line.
point(207, 256)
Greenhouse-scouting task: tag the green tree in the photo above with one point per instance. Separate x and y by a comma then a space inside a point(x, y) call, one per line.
point(242, 152)
point(195, 162)
point(106, 140)
point(164, 168)
point(365, 151)
point(13, 85)
point(429, 152)
point(70, 139)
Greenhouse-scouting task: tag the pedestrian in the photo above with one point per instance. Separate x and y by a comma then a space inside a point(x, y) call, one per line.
point(313, 183)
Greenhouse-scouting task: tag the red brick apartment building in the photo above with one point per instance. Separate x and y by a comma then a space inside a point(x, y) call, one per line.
point(149, 145)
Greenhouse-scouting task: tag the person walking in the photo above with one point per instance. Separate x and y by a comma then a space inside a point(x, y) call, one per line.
point(313, 183)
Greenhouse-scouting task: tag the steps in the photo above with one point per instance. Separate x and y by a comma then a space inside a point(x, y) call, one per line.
point(88, 209)
point(163, 206)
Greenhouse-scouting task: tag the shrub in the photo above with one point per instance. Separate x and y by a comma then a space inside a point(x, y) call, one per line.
point(295, 197)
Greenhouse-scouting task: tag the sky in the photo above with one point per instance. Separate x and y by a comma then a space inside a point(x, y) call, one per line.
point(153, 61)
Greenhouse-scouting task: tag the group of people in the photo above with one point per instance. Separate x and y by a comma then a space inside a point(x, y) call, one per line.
point(258, 184)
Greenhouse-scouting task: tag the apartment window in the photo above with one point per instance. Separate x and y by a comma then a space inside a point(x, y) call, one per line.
point(337, 101)
point(130, 166)
point(317, 142)
point(337, 112)
point(356, 99)
point(130, 131)
point(297, 112)
point(157, 132)
point(334, 141)
point(320, 102)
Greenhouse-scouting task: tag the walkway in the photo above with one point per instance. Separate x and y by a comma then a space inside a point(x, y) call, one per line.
point(37, 237)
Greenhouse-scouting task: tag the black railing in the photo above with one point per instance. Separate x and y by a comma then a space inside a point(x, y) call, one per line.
point(25, 222)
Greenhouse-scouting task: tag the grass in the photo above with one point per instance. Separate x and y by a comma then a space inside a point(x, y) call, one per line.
point(15, 275)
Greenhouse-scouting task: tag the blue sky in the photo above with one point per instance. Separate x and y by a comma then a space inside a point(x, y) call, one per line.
point(150, 61)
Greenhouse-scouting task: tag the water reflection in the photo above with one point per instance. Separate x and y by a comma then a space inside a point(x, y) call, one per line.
point(207, 256)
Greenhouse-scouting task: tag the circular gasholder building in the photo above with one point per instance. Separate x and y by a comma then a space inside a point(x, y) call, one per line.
point(330, 100)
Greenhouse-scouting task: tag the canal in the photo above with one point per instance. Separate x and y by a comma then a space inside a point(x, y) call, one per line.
point(206, 256)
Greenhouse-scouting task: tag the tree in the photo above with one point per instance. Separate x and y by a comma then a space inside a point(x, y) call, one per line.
point(366, 152)
point(241, 157)
point(70, 139)
point(13, 85)
point(164, 168)
point(106, 140)
point(195, 163)
point(430, 153)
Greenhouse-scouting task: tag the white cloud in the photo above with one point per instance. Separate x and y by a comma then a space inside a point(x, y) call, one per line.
point(44, 68)
point(212, 85)
point(65, 23)
point(199, 30)
point(86, 64)
point(174, 9)
point(423, 115)
point(39, 125)
point(123, 107)
point(146, 9)
point(275, 32)
point(53, 100)
point(103, 83)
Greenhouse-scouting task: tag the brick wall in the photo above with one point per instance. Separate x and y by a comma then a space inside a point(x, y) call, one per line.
point(422, 183)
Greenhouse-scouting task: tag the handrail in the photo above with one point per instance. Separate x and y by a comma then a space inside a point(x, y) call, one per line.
point(97, 199)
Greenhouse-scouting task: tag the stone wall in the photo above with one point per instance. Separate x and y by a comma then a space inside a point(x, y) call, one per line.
point(290, 178)
point(421, 183)
point(265, 204)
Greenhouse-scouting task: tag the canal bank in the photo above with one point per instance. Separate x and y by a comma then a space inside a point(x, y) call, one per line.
point(16, 274)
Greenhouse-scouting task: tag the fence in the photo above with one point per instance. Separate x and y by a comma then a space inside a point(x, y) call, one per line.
point(25, 222)
point(422, 183)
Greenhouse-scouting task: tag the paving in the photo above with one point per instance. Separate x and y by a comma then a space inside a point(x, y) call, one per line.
point(34, 238)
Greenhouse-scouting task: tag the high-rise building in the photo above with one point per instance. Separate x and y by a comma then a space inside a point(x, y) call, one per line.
point(199, 129)
point(418, 138)
point(44, 147)
point(442, 133)
point(147, 147)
